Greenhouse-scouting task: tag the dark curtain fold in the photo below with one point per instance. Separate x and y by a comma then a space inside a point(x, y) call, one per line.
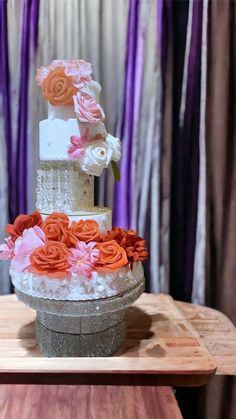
point(185, 147)
point(218, 399)
point(221, 160)
point(220, 395)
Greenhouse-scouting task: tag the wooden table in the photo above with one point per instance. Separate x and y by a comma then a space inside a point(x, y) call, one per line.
point(168, 343)
point(171, 343)
point(87, 402)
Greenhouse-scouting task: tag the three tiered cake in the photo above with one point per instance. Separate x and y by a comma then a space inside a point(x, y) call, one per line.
point(67, 261)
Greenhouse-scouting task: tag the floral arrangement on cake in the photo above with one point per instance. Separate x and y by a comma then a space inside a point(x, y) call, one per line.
point(69, 83)
point(56, 247)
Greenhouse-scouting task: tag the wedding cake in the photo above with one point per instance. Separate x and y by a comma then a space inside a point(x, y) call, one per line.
point(67, 250)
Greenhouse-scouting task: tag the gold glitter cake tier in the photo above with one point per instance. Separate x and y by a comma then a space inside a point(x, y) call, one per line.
point(63, 186)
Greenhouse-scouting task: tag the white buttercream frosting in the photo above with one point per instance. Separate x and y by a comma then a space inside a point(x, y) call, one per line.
point(77, 287)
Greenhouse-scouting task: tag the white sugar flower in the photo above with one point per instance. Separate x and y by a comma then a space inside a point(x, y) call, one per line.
point(92, 89)
point(115, 144)
point(97, 157)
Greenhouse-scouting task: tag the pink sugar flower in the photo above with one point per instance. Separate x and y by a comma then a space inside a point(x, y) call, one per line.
point(7, 249)
point(83, 258)
point(87, 109)
point(42, 73)
point(76, 150)
point(31, 239)
point(79, 71)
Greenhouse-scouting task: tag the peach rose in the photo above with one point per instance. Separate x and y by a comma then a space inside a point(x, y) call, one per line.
point(84, 230)
point(87, 109)
point(22, 222)
point(50, 260)
point(112, 257)
point(58, 216)
point(58, 88)
point(55, 231)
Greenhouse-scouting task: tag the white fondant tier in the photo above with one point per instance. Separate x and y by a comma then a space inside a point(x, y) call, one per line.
point(103, 216)
point(55, 134)
point(78, 287)
point(63, 186)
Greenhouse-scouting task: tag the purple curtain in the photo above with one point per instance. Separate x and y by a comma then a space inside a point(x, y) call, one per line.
point(185, 150)
point(28, 44)
point(6, 106)
point(17, 161)
point(123, 189)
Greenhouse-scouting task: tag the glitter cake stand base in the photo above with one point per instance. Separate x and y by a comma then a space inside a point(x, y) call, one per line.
point(81, 328)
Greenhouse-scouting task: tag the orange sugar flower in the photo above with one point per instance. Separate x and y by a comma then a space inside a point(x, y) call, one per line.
point(58, 88)
point(85, 230)
point(130, 241)
point(112, 257)
point(50, 260)
point(23, 222)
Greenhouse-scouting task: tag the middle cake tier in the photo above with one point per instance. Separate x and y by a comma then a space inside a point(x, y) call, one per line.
point(63, 186)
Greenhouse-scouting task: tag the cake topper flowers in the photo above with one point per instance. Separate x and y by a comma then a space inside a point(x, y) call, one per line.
point(69, 83)
point(63, 80)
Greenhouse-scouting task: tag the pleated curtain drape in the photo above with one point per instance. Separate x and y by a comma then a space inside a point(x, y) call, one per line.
point(167, 70)
point(164, 86)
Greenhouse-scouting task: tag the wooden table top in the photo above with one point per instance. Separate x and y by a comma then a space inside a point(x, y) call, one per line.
point(168, 343)
point(87, 402)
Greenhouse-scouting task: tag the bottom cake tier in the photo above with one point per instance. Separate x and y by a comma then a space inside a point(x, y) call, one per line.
point(85, 328)
point(78, 287)
point(78, 276)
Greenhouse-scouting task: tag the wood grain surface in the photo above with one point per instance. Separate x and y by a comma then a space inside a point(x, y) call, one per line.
point(87, 402)
point(162, 347)
point(216, 332)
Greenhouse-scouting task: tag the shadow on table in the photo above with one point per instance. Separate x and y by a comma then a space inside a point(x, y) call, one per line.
point(138, 332)
point(138, 341)
point(27, 336)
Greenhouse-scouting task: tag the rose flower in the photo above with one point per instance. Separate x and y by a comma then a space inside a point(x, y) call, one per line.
point(23, 222)
point(58, 88)
point(58, 216)
point(112, 257)
point(56, 226)
point(133, 244)
point(88, 109)
point(84, 230)
point(50, 260)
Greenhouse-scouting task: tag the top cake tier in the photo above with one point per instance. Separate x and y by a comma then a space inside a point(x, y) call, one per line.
point(74, 130)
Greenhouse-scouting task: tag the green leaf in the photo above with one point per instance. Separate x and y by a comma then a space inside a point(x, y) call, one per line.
point(116, 171)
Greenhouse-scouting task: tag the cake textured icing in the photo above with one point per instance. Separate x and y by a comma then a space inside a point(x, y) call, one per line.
point(67, 248)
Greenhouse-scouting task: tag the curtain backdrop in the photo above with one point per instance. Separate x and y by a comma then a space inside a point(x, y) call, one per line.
point(154, 62)
point(159, 70)
point(167, 70)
